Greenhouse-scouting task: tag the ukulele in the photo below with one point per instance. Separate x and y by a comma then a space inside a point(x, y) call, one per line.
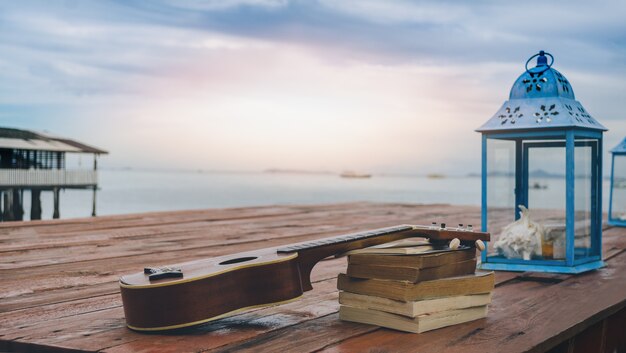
point(192, 293)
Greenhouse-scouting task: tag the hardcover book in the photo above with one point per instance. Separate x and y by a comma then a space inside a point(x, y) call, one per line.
point(412, 274)
point(477, 283)
point(423, 260)
point(418, 324)
point(413, 308)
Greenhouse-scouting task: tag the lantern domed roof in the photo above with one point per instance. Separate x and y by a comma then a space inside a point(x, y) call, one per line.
point(541, 81)
point(620, 148)
point(541, 98)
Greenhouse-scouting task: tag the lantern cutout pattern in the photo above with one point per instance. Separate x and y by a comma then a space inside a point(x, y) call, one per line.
point(541, 177)
point(617, 199)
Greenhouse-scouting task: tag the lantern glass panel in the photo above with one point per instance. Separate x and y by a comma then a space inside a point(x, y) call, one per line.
point(537, 169)
point(500, 184)
point(583, 194)
point(618, 207)
point(547, 194)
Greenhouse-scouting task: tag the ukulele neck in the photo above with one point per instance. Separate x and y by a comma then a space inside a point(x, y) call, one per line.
point(309, 253)
point(334, 242)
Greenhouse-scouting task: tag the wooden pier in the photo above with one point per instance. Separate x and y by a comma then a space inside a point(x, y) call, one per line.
point(36, 162)
point(60, 292)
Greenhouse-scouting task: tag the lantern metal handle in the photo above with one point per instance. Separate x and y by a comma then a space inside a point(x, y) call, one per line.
point(541, 53)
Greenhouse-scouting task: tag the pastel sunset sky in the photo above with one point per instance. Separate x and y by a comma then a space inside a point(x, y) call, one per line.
point(378, 86)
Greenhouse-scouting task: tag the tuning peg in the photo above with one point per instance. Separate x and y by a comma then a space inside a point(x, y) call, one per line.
point(454, 243)
point(480, 245)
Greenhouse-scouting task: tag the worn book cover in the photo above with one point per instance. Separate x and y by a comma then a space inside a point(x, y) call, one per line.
point(412, 274)
point(421, 260)
point(413, 308)
point(477, 283)
point(399, 247)
point(418, 324)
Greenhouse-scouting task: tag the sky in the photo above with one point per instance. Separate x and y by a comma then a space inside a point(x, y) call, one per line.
point(370, 85)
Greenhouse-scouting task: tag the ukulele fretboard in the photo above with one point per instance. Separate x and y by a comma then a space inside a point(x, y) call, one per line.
point(344, 238)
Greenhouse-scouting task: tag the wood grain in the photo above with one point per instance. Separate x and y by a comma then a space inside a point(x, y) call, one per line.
point(60, 290)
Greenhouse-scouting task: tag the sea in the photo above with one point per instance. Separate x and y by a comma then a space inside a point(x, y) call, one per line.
point(136, 191)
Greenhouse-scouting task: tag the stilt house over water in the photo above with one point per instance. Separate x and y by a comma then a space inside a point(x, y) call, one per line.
point(36, 162)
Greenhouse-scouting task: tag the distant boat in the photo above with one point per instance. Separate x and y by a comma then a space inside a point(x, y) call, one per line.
point(537, 186)
point(435, 176)
point(352, 174)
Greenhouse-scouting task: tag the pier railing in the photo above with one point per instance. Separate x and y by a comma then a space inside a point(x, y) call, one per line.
point(47, 177)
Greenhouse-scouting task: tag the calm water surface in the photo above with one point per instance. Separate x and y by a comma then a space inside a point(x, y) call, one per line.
point(125, 192)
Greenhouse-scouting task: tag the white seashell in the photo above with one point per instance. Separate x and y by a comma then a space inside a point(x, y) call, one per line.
point(521, 239)
point(454, 243)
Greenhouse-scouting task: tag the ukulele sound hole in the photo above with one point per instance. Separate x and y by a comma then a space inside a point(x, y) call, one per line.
point(237, 260)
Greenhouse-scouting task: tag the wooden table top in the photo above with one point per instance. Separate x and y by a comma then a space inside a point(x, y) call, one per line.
point(60, 292)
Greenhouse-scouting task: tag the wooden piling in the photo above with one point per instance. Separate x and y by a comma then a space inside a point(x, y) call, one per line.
point(16, 205)
point(8, 205)
point(95, 187)
point(35, 204)
point(56, 213)
point(93, 203)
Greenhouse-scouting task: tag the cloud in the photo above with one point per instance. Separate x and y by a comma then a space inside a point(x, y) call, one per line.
point(218, 5)
point(400, 12)
point(338, 70)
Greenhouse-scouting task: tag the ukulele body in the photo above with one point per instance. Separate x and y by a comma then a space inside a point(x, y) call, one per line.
point(211, 289)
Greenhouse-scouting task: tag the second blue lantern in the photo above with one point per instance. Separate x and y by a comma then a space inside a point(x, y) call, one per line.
point(617, 202)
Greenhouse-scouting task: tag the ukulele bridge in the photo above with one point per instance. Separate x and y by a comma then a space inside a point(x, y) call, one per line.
point(155, 273)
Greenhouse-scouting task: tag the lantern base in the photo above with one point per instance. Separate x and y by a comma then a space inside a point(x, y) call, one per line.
point(589, 266)
point(616, 223)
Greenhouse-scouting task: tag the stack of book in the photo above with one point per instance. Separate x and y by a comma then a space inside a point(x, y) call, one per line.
point(412, 286)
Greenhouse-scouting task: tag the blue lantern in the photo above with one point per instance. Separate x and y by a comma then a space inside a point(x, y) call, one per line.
point(617, 199)
point(542, 178)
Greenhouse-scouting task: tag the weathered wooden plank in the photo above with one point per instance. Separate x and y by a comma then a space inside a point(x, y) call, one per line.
point(64, 230)
point(60, 233)
point(327, 269)
point(615, 334)
point(10, 229)
point(613, 242)
point(23, 318)
point(105, 320)
point(309, 336)
point(190, 236)
point(80, 298)
point(73, 278)
point(160, 219)
point(591, 340)
point(325, 332)
point(322, 296)
point(68, 281)
point(262, 343)
point(47, 279)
